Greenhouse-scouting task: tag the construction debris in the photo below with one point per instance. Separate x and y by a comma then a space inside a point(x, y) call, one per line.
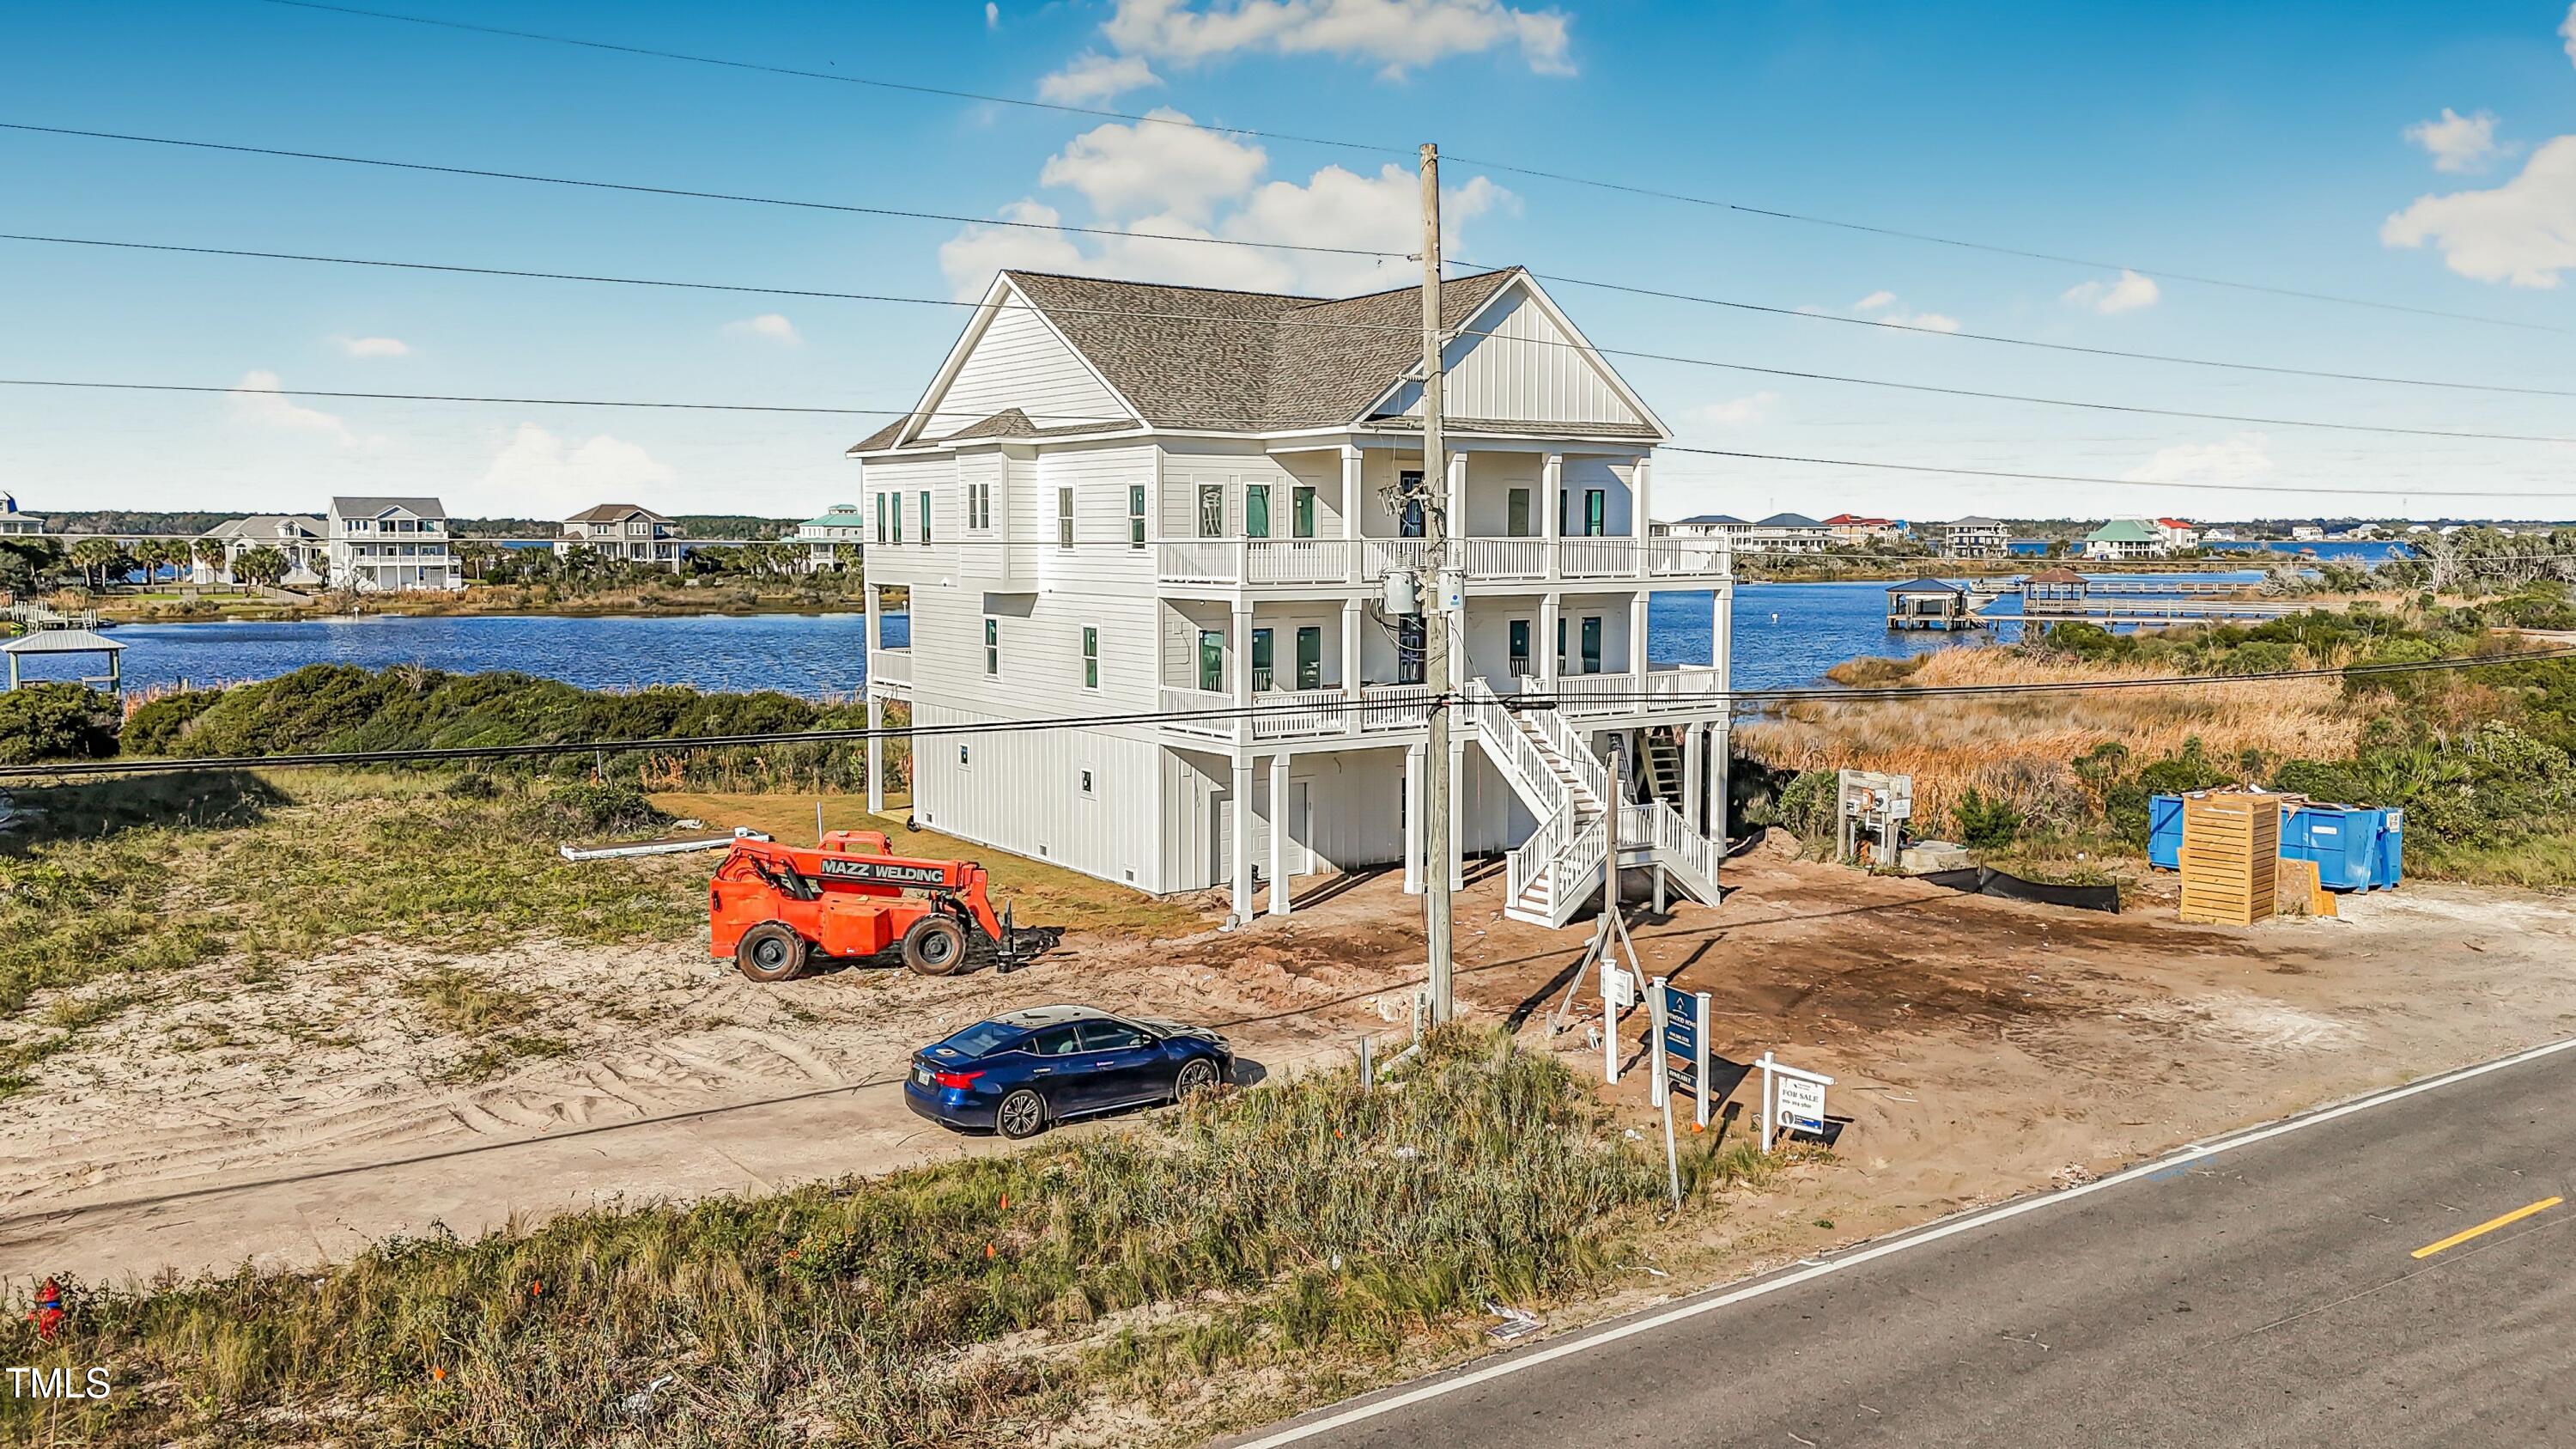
point(667, 845)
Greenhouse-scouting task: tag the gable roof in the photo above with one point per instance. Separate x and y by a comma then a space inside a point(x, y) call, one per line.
point(268, 525)
point(1972, 521)
point(1712, 518)
point(2058, 575)
point(372, 507)
point(1200, 358)
point(615, 513)
point(2124, 530)
point(1788, 520)
point(1925, 585)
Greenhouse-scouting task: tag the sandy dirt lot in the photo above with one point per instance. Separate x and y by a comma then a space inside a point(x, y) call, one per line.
point(1982, 1047)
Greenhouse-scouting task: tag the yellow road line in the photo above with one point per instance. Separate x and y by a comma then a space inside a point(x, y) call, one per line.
point(2489, 1226)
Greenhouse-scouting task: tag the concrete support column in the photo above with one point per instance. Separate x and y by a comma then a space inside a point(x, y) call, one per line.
point(1413, 819)
point(1281, 817)
point(1241, 856)
point(1457, 810)
point(876, 754)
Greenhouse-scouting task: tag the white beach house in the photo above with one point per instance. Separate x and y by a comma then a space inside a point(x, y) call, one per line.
point(380, 545)
point(1126, 499)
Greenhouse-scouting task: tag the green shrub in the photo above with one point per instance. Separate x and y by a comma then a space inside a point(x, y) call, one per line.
point(55, 722)
point(1806, 808)
point(1984, 822)
point(595, 807)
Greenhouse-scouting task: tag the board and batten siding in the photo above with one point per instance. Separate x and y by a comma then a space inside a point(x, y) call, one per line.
point(1236, 467)
point(1351, 818)
point(1525, 367)
point(1021, 791)
point(1021, 363)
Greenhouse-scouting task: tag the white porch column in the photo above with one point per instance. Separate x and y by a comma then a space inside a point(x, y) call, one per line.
point(1351, 673)
point(1242, 838)
point(876, 755)
point(1457, 810)
point(1351, 484)
point(1279, 821)
point(1551, 499)
point(1550, 615)
point(1239, 670)
point(1412, 818)
point(1694, 797)
point(1641, 522)
point(1718, 767)
point(1637, 646)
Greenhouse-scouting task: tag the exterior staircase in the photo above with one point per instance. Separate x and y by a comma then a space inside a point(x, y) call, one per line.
point(1549, 876)
point(1662, 764)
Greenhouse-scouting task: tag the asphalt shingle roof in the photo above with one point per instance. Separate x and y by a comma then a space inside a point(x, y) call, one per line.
point(370, 507)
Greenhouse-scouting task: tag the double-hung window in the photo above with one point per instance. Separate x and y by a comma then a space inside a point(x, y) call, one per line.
point(1260, 660)
point(1301, 512)
point(1090, 657)
point(925, 515)
point(894, 517)
point(1135, 515)
point(1064, 518)
point(1211, 510)
point(993, 647)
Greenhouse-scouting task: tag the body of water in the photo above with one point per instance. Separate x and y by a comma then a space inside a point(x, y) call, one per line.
point(1785, 635)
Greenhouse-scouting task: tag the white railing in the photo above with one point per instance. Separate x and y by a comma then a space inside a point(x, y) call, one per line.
point(1289, 714)
point(1588, 693)
point(1505, 558)
point(1506, 742)
point(1560, 736)
point(1199, 561)
point(1394, 706)
point(1596, 558)
point(1199, 701)
point(890, 666)
point(1532, 856)
point(1686, 684)
point(1300, 560)
point(1323, 561)
point(1378, 555)
point(1667, 557)
point(1657, 827)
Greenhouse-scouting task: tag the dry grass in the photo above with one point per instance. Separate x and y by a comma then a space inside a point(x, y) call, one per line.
point(2022, 746)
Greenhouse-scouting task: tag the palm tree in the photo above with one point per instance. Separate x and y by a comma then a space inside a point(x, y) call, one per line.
point(94, 556)
point(213, 554)
point(261, 565)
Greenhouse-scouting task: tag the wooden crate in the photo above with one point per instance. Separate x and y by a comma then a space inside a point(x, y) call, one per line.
point(2298, 890)
point(2231, 849)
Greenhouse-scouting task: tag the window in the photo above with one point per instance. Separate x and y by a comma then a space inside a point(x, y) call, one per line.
point(894, 517)
point(1596, 512)
point(1560, 643)
point(993, 647)
point(1516, 514)
point(1520, 648)
point(1592, 643)
point(1211, 660)
point(881, 533)
point(1064, 518)
point(1301, 512)
point(1260, 660)
point(1055, 1041)
point(1211, 510)
point(925, 515)
point(979, 506)
point(1408, 650)
point(1408, 487)
point(1110, 1036)
point(964, 758)
point(1090, 663)
point(1256, 511)
point(1086, 782)
point(1310, 656)
point(1135, 515)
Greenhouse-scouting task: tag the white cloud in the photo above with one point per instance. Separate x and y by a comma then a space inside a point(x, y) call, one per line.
point(2523, 232)
point(546, 477)
point(2567, 31)
point(1739, 412)
point(992, 15)
point(769, 325)
point(2128, 294)
point(2244, 458)
point(1092, 77)
point(1147, 169)
point(1397, 34)
point(1874, 301)
point(1883, 306)
point(1927, 321)
point(1157, 184)
point(258, 400)
point(374, 346)
point(2457, 142)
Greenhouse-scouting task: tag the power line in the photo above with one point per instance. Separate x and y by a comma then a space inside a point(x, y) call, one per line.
point(1301, 708)
point(2074, 347)
point(643, 190)
point(2133, 409)
point(1568, 178)
point(556, 402)
point(2113, 482)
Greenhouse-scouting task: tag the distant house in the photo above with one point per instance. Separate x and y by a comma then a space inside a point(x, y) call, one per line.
point(2219, 535)
point(14, 523)
point(624, 532)
point(1972, 537)
point(2307, 532)
point(2178, 533)
point(1704, 525)
point(842, 523)
point(303, 538)
point(1852, 528)
point(382, 545)
point(1787, 533)
point(2126, 538)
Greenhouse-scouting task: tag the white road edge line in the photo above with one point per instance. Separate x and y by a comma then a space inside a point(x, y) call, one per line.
point(1938, 1230)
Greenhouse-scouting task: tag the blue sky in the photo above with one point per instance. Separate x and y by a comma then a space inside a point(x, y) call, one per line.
point(2269, 144)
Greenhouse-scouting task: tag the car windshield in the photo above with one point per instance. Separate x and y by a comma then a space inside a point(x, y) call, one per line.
point(982, 1037)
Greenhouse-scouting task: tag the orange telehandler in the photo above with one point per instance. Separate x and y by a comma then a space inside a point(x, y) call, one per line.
point(773, 906)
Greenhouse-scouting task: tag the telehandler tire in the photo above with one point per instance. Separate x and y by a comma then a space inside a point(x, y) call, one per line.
point(935, 946)
point(770, 951)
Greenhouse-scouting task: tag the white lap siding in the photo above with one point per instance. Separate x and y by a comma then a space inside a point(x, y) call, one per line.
point(1021, 790)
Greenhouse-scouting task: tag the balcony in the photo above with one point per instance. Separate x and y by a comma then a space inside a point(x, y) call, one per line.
point(1298, 714)
point(890, 671)
point(1672, 686)
point(1361, 562)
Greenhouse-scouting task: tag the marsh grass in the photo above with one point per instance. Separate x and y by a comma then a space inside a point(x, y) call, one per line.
point(967, 1303)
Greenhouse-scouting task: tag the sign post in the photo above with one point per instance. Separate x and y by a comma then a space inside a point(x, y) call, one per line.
point(1793, 1100)
point(1618, 993)
point(1682, 1046)
point(1659, 1011)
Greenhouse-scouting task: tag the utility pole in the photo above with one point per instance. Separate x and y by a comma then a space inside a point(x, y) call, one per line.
point(1437, 846)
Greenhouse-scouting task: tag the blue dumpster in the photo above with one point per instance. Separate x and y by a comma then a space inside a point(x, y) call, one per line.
point(2164, 831)
point(2355, 848)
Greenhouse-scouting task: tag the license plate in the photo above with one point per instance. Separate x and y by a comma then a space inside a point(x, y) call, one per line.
point(921, 1075)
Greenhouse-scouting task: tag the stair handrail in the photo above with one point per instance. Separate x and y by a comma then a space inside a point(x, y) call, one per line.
point(1509, 745)
point(1561, 738)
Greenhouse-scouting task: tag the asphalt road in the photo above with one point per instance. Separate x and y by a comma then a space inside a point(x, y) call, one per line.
point(2293, 1291)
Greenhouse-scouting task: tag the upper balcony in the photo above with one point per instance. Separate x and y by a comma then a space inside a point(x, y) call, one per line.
point(1330, 563)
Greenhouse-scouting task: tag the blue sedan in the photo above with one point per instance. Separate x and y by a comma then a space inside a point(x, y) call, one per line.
point(1017, 1073)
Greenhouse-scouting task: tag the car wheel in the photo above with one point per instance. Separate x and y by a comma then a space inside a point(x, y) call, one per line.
point(1197, 1075)
point(1022, 1114)
point(770, 951)
point(934, 946)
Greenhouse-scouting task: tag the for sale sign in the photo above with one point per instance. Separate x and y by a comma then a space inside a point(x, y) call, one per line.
point(1802, 1104)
